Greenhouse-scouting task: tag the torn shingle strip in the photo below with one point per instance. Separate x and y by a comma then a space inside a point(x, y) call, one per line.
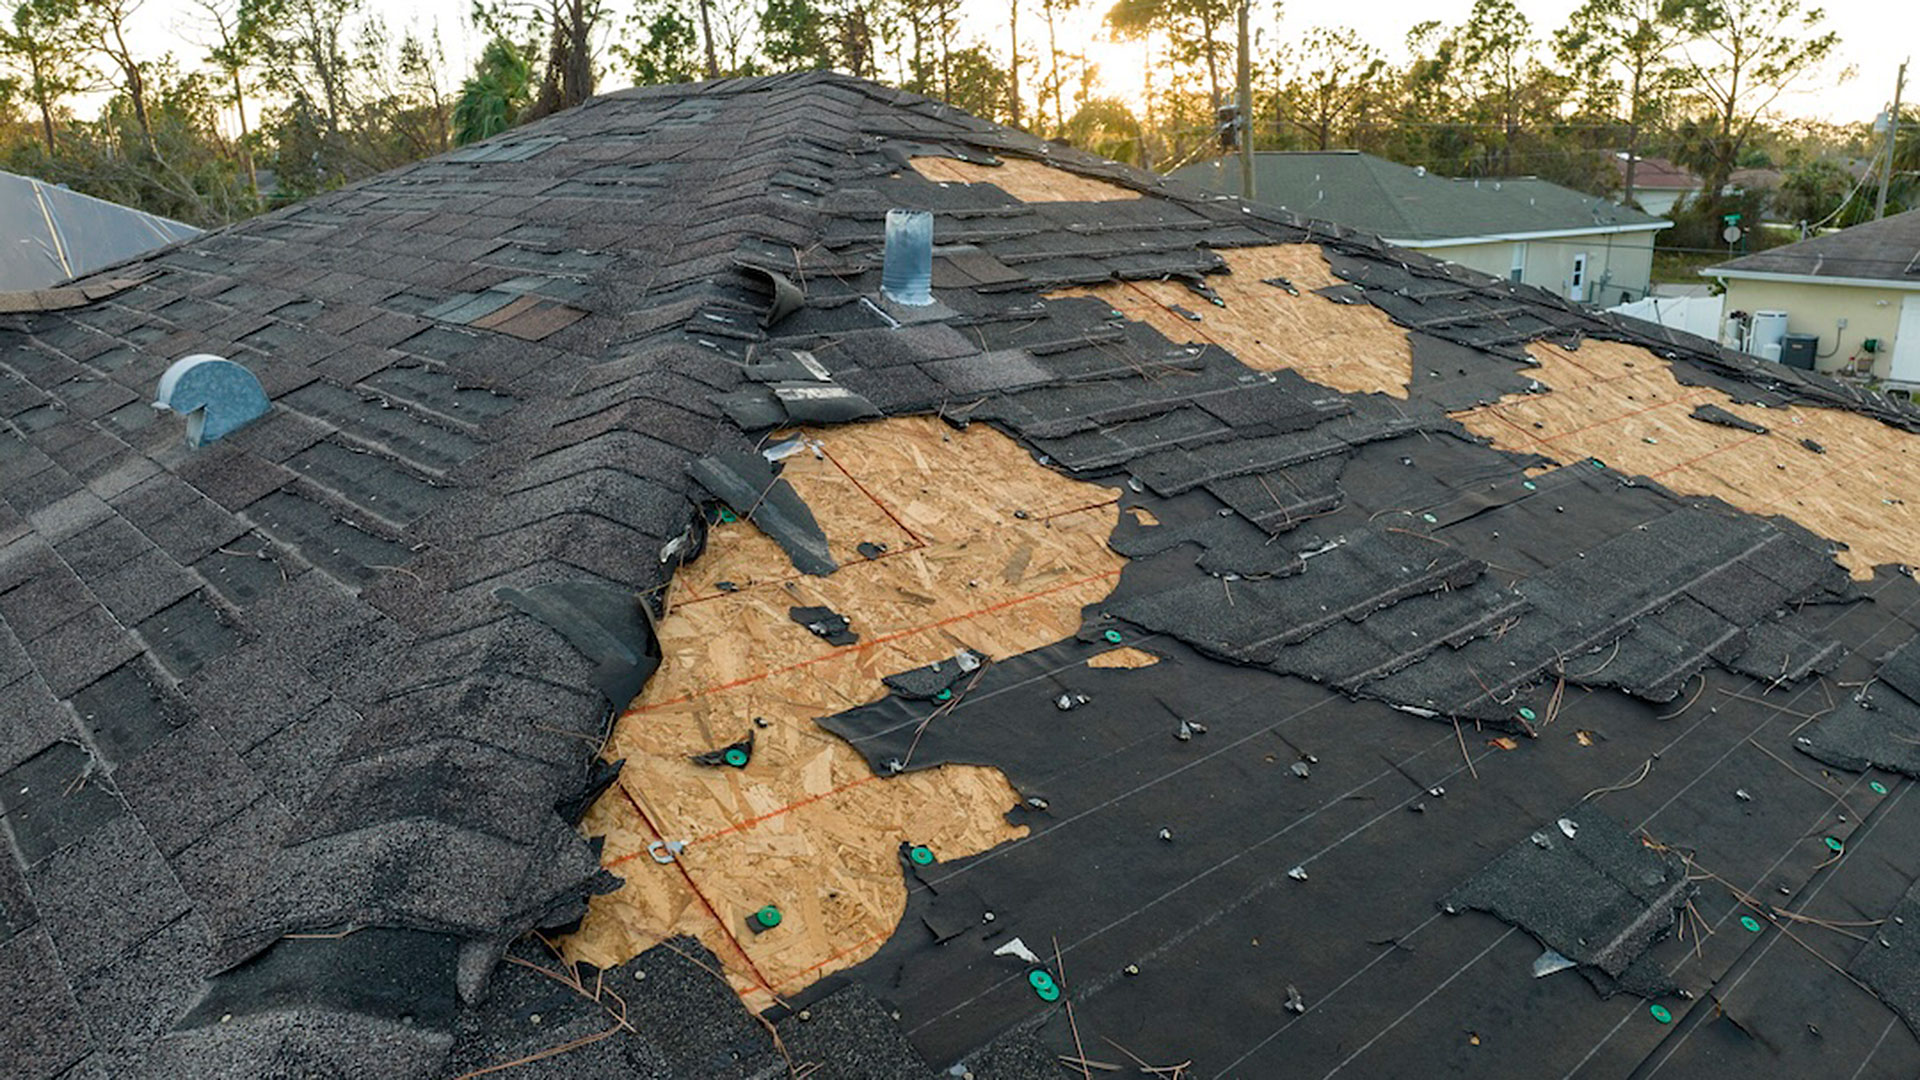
point(1585, 887)
point(941, 677)
point(1878, 727)
point(1714, 414)
point(1889, 962)
point(825, 623)
point(607, 624)
point(747, 483)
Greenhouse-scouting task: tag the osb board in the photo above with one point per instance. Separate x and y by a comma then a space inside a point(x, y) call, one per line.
point(1621, 404)
point(1124, 657)
point(986, 550)
point(1026, 180)
point(1350, 347)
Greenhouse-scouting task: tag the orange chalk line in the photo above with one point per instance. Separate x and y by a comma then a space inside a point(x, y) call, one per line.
point(1874, 453)
point(798, 975)
point(873, 643)
point(917, 539)
point(712, 912)
point(741, 826)
point(1612, 420)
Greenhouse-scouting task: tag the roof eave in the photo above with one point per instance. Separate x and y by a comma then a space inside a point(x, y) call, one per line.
point(1723, 272)
point(1543, 234)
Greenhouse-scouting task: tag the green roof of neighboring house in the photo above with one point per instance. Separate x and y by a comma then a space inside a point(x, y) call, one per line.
point(1884, 252)
point(1411, 206)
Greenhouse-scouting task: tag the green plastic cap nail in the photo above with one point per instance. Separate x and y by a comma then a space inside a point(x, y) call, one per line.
point(1834, 844)
point(768, 917)
point(1752, 924)
point(1043, 985)
point(1530, 485)
point(735, 757)
point(1113, 637)
point(921, 854)
point(1428, 518)
point(944, 695)
point(1661, 1014)
point(1878, 788)
point(1526, 713)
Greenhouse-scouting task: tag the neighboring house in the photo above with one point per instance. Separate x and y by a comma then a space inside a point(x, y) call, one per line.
point(1764, 181)
point(657, 630)
point(1856, 290)
point(49, 234)
point(1528, 230)
point(1658, 184)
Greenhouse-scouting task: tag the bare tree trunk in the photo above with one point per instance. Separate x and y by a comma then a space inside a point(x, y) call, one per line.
point(1013, 59)
point(246, 150)
point(1053, 48)
point(1633, 138)
point(136, 86)
point(1213, 66)
point(1146, 130)
point(706, 33)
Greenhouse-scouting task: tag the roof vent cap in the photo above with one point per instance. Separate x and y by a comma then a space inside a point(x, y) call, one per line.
point(906, 277)
point(217, 396)
point(1419, 170)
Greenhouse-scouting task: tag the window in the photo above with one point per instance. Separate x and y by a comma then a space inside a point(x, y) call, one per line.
point(1577, 281)
point(1518, 271)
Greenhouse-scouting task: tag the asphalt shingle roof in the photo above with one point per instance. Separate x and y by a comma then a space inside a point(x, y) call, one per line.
point(1884, 250)
point(287, 775)
point(1406, 204)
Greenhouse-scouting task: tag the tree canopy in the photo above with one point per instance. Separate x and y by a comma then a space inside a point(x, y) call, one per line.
point(284, 98)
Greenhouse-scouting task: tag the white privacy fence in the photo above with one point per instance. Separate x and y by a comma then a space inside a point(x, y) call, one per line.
point(1692, 314)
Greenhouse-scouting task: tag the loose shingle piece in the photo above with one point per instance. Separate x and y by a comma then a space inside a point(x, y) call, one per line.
point(1586, 888)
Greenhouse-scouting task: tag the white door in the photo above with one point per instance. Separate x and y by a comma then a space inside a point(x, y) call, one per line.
point(1906, 343)
point(1577, 282)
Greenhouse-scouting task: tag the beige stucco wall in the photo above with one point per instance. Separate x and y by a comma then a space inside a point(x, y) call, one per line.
point(1625, 260)
point(1816, 309)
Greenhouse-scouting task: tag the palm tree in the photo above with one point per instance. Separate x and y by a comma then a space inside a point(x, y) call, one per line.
point(492, 98)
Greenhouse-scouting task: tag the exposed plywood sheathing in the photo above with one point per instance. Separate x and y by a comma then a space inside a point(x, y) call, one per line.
point(1621, 404)
point(1028, 181)
point(807, 825)
point(1350, 347)
point(1124, 657)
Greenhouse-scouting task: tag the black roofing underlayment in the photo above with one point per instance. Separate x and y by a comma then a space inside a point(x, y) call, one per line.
point(299, 725)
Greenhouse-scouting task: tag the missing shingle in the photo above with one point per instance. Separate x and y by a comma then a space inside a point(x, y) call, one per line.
point(812, 825)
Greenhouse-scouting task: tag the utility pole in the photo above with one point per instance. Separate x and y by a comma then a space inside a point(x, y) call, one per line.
point(1893, 130)
point(1245, 99)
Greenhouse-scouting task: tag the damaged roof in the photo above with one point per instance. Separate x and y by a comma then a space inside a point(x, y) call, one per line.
point(1420, 639)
